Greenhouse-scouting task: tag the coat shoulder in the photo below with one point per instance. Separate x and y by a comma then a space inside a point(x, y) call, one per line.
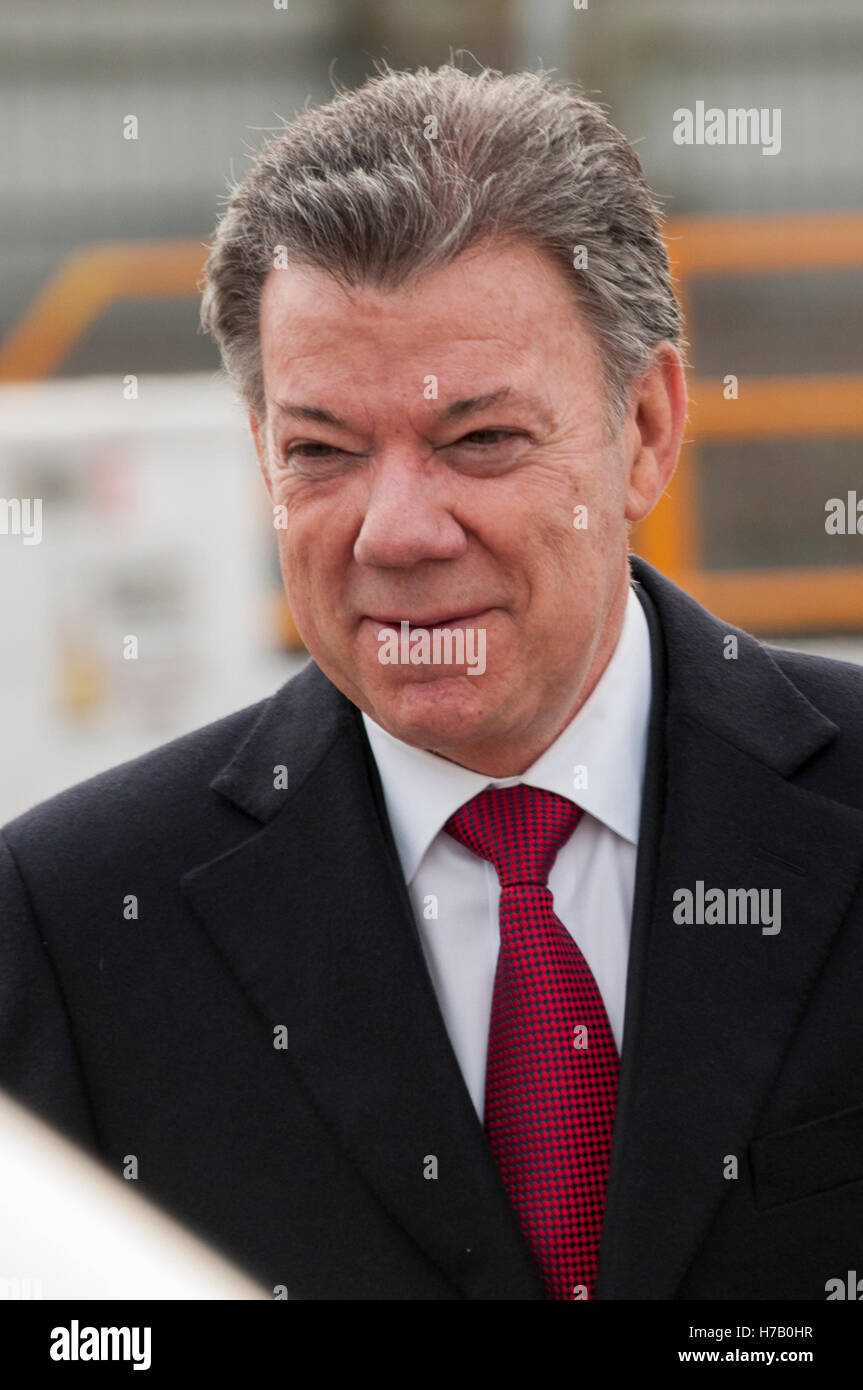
point(834, 687)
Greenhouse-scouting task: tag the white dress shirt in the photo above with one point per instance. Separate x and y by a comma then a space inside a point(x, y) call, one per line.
point(455, 892)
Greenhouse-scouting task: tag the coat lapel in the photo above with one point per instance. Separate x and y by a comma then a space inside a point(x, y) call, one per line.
point(311, 915)
point(711, 1009)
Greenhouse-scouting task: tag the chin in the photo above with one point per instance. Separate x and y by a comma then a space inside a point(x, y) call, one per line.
point(441, 713)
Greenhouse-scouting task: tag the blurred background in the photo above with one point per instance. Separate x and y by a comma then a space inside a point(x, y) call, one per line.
point(113, 411)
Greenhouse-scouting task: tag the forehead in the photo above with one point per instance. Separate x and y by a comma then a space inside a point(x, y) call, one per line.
point(509, 305)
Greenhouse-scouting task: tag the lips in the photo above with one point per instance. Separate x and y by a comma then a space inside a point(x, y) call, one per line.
point(446, 620)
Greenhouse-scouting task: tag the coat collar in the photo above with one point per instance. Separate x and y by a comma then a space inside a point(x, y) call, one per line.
point(746, 700)
point(312, 916)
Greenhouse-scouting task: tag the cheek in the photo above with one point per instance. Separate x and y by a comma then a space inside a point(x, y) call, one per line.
point(572, 568)
point(315, 554)
point(301, 563)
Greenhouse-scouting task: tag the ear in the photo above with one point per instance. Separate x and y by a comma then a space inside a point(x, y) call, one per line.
point(657, 421)
point(259, 436)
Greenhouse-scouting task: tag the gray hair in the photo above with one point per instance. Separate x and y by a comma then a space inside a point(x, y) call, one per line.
point(406, 172)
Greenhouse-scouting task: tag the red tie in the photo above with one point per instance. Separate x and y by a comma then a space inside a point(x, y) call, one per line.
point(551, 1080)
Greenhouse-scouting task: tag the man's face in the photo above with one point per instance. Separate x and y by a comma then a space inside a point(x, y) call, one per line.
point(429, 447)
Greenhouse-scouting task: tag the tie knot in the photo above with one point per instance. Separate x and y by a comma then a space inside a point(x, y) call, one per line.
point(519, 829)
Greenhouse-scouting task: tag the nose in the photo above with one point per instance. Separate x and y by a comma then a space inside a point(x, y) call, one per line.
point(407, 517)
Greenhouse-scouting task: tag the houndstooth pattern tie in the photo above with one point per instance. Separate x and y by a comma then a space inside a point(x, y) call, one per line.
point(551, 1079)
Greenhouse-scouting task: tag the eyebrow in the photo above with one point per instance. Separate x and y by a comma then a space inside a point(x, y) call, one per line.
point(456, 410)
point(310, 412)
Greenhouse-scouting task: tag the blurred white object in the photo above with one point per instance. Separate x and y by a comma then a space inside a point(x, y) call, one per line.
point(143, 610)
point(70, 1230)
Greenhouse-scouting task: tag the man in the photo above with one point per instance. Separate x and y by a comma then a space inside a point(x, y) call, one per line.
point(509, 951)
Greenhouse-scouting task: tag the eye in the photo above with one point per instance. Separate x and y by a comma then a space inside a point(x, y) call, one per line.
point(312, 459)
point(302, 449)
point(485, 438)
point(485, 453)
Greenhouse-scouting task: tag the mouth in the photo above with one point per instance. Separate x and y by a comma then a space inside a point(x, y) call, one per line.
point(427, 621)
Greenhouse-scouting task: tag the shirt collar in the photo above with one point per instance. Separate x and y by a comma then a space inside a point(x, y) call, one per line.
point(607, 738)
